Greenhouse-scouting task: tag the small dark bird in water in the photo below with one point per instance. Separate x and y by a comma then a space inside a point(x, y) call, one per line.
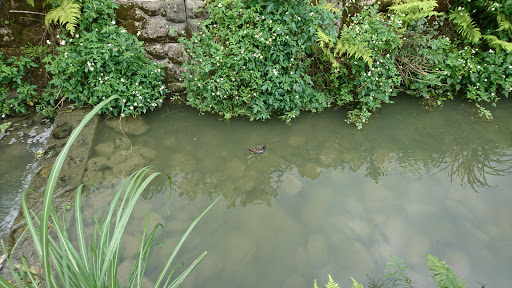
point(259, 150)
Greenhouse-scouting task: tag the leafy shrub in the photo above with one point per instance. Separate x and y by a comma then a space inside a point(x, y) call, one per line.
point(490, 20)
point(12, 77)
point(103, 59)
point(252, 59)
point(488, 74)
point(363, 74)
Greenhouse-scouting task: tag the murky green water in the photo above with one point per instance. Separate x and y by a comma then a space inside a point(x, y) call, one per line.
point(327, 198)
point(18, 159)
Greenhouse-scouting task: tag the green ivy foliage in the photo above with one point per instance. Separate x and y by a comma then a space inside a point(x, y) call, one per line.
point(12, 77)
point(101, 60)
point(253, 59)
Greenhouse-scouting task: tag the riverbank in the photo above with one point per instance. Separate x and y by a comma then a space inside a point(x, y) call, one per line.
point(70, 176)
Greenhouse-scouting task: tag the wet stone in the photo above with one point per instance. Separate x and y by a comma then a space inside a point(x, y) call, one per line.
point(130, 125)
point(291, 185)
point(147, 153)
point(92, 176)
point(104, 149)
point(62, 131)
point(97, 163)
point(122, 143)
point(126, 162)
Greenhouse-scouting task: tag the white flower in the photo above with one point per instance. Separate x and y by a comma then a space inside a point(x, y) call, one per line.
point(122, 80)
point(48, 42)
point(131, 107)
point(138, 33)
point(220, 5)
point(113, 22)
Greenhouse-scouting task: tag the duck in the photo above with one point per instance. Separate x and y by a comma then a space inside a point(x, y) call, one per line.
point(259, 150)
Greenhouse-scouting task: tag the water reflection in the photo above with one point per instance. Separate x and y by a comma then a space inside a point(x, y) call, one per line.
point(324, 198)
point(472, 164)
point(203, 154)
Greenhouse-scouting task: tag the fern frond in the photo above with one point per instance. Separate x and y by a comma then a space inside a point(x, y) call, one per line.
point(415, 10)
point(67, 14)
point(355, 284)
point(331, 283)
point(443, 275)
point(330, 7)
point(31, 2)
point(503, 23)
point(397, 273)
point(326, 43)
point(497, 44)
point(465, 26)
point(354, 49)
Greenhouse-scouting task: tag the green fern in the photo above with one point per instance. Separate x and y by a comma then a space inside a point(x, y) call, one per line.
point(443, 275)
point(414, 10)
point(344, 45)
point(355, 284)
point(497, 44)
point(356, 49)
point(503, 23)
point(332, 284)
point(397, 273)
point(330, 7)
point(465, 25)
point(67, 14)
point(31, 2)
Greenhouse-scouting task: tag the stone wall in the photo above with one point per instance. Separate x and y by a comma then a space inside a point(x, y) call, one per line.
point(159, 23)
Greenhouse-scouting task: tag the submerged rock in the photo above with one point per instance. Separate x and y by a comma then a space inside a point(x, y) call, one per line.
point(97, 164)
point(104, 149)
point(122, 143)
point(147, 153)
point(291, 184)
point(62, 130)
point(93, 177)
point(126, 162)
point(129, 125)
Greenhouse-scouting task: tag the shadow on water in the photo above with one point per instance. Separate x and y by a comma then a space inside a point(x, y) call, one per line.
point(204, 154)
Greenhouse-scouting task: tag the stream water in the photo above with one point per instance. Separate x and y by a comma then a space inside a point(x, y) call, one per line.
point(327, 198)
point(19, 148)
